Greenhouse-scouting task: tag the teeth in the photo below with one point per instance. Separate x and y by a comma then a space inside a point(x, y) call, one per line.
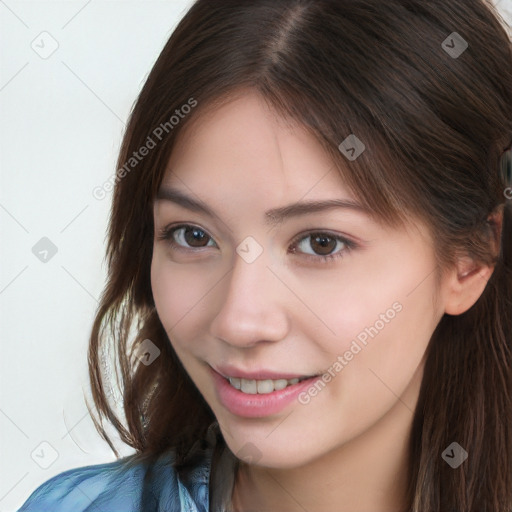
point(261, 387)
point(248, 386)
point(235, 382)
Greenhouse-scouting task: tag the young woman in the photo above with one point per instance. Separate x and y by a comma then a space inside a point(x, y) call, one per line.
point(310, 266)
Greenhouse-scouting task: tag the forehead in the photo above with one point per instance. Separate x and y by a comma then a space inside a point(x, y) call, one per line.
point(245, 146)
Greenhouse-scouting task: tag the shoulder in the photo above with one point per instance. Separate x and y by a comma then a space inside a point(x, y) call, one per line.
point(124, 486)
point(108, 486)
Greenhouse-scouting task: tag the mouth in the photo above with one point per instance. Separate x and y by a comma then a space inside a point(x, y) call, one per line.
point(262, 386)
point(258, 398)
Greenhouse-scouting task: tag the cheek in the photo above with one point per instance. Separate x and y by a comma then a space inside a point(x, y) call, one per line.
point(352, 297)
point(181, 293)
point(380, 313)
point(177, 289)
point(381, 283)
point(385, 328)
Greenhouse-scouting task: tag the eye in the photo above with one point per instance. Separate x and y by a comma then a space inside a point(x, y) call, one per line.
point(187, 237)
point(180, 237)
point(322, 244)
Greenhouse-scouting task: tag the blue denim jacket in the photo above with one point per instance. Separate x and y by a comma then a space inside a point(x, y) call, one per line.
point(205, 485)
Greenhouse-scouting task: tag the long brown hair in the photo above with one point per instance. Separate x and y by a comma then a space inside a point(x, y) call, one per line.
point(435, 116)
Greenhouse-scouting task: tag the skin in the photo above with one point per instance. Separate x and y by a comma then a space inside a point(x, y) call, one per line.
point(346, 449)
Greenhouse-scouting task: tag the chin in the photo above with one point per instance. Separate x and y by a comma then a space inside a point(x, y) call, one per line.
point(268, 454)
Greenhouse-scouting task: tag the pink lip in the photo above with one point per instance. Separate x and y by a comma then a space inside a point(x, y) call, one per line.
point(230, 371)
point(256, 405)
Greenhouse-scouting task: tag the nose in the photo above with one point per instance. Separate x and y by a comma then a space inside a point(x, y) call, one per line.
point(252, 305)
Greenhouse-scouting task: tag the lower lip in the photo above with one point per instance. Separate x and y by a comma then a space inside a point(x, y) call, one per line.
point(256, 405)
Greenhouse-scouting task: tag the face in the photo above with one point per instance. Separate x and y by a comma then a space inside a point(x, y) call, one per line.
point(329, 293)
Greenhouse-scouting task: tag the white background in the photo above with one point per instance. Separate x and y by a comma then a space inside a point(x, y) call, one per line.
point(61, 122)
point(62, 119)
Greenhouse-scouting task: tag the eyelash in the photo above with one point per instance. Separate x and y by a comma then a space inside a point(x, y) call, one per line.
point(167, 232)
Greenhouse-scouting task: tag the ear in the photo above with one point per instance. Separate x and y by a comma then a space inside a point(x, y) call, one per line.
point(466, 282)
point(465, 285)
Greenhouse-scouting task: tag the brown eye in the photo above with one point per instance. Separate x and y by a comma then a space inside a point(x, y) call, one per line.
point(195, 236)
point(322, 244)
point(186, 237)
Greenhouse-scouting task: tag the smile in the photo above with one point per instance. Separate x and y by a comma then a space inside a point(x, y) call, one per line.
point(258, 398)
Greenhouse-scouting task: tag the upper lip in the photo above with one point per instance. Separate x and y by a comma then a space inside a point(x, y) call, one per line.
point(227, 371)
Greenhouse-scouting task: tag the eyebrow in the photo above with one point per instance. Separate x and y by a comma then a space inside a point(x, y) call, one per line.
point(272, 217)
